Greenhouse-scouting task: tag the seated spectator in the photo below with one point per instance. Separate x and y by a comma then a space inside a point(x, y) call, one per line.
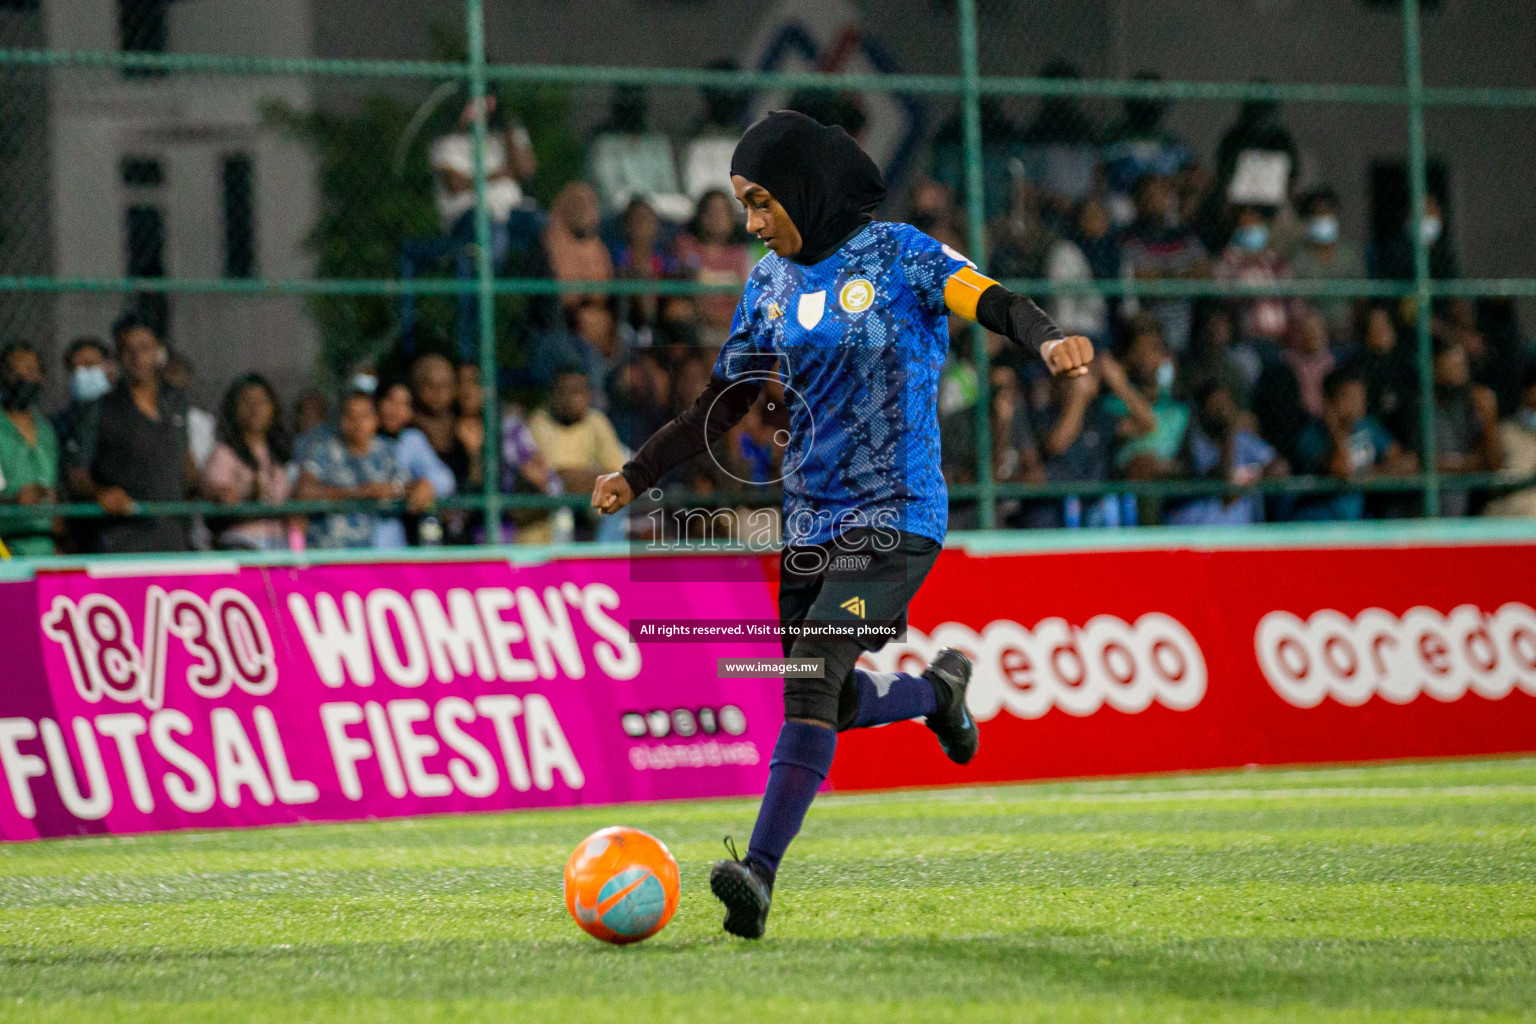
point(1015, 456)
point(1250, 259)
point(1324, 255)
point(202, 427)
point(1348, 444)
point(591, 341)
point(355, 464)
point(640, 256)
point(249, 463)
point(1217, 447)
point(1211, 360)
point(311, 422)
point(1061, 149)
point(91, 372)
point(434, 389)
point(1506, 349)
point(29, 452)
point(577, 440)
point(1076, 436)
point(625, 161)
point(413, 452)
point(707, 156)
point(1289, 393)
point(714, 248)
point(509, 163)
point(1517, 437)
point(524, 470)
point(1137, 146)
point(469, 407)
point(1160, 247)
point(1385, 363)
point(1151, 422)
point(132, 446)
point(639, 394)
point(1466, 425)
point(1086, 314)
point(1309, 358)
point(575, 251)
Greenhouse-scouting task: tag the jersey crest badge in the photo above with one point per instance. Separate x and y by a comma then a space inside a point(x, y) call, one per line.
point(774, 312)
point(857, 295)
point(812, 305)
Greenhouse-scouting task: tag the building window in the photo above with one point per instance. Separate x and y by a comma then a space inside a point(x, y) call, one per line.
point(143, 26)
point(239, 216)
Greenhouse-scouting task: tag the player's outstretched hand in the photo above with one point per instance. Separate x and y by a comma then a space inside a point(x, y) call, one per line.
point(611, 493)
point(1069, 356)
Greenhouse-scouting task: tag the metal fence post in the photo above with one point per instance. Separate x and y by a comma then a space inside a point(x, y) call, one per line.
point(1413, 69)
point(976, 234)
point(485, 271)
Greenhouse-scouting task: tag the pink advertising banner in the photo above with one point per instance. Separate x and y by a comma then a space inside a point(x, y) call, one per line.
point(252, 696)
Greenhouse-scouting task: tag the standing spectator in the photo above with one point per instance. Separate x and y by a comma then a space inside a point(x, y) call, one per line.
point(1249, 258)
point(434, 388)
point(1326, 256)
point(1256, 165)
point(202, 428)
point(707, 156)
point(510, 164)
point(413, 452)
point(576, 253)
point(1061, 149)
point(29, 452)
point(1517, 436)
point(132, 446)
point(1394, 254)
point(90, 372)
point(1066, 261)
point(1161, 247)
point(1137, 146)
point(1217, 447)
point(714, 249)
point(1151, 421)
point(1348, 444)
point(356, 464)
point(626, 161)
point(577, 440)
point(1466, 425)
point(250, 463)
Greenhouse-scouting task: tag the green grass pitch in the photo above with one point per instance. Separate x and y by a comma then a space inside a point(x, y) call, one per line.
point(1386, 893)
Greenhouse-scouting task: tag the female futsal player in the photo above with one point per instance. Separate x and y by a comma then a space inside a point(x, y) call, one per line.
point(850, 314)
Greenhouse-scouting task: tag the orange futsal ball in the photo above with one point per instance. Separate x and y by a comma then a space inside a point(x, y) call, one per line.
point(621, 885)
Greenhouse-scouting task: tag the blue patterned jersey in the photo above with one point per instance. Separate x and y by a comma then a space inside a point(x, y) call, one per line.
point(858, 340)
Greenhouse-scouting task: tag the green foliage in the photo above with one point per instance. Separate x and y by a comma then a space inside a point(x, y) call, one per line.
point(1373, 894)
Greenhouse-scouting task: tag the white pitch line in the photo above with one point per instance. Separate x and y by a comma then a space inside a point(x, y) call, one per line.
point(992, 796)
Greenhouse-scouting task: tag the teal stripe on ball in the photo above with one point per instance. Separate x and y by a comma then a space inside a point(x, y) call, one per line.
point(638, 912)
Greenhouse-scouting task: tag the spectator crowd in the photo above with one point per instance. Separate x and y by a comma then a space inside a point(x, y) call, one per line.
point(1226, 391)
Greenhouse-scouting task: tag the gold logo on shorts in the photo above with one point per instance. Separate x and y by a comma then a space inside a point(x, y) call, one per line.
point(854, 605)
point(857, 295)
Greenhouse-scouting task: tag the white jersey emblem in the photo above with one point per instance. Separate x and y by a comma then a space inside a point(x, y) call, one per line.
point(812, 305)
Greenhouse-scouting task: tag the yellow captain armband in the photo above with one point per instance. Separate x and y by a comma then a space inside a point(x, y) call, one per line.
point(964, 289)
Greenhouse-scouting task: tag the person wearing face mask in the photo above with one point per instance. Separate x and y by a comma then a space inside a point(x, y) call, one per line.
point(1326, 256)
point(1152, 429)
point(90, 372)
point(1517, 435)
point(1394, 254)
point(1467, 436)
point(1250, 259)
point(29, 451)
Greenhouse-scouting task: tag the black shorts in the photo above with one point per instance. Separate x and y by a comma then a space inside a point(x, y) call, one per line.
point(864, 575)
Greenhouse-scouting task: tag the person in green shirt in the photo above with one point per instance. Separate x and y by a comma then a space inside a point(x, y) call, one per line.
point(29, 452)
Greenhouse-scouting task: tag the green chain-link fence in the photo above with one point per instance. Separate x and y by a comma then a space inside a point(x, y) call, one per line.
point(1009, 129)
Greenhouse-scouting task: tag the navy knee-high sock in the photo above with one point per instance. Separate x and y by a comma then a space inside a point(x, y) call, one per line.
point(801, 759)
point(892, 697)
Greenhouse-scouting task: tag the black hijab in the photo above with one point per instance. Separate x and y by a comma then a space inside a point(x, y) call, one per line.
point(825, 182)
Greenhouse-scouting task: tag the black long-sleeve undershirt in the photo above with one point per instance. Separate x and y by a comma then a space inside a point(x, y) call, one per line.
point(1016, 318)
point(719, 407)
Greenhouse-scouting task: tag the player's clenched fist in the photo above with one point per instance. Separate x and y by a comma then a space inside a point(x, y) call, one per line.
point(1070, 356)
point(611, 493)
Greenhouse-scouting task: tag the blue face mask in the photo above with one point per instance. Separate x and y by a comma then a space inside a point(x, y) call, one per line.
point(1253, 237)
point(1165, 377)
point(89, 383)
point(366, 383)
point(1323, 230)
point(1527, 418)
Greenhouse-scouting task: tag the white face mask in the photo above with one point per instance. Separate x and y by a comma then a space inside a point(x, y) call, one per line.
point(366, 383)
point(1165, 377)
point(1429, 230)
point(89, 383)
point(1323, 230)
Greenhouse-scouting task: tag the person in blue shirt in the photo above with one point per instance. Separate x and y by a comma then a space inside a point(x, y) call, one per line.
point(1347, 443)
point(1217, 447)
point(850, 315)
